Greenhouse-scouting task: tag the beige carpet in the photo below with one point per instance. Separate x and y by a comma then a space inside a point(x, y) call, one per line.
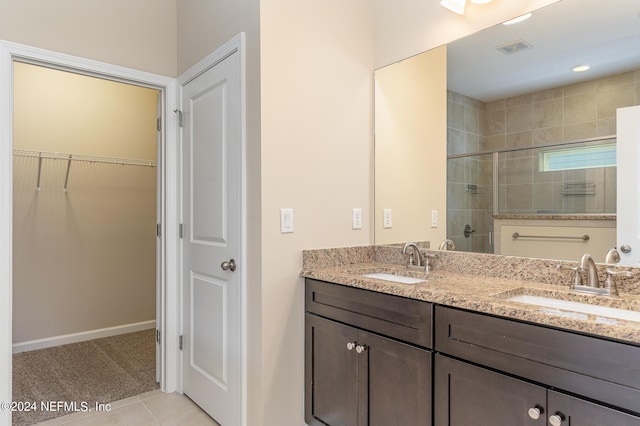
point(101, 370)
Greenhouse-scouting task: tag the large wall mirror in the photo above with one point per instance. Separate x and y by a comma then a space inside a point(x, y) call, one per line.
point(524, 160)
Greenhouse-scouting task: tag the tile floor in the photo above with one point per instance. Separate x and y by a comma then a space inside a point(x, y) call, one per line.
point(151, 408)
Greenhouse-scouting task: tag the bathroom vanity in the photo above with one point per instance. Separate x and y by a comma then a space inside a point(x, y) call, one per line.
point(452, 350)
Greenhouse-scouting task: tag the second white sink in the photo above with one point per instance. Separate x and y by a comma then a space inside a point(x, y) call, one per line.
point(395, 278)
point(602, 313)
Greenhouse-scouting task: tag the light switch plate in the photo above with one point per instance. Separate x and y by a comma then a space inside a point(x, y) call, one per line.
point(434, 218)
point(356, 218)
point(387, 221)
point(286, 221)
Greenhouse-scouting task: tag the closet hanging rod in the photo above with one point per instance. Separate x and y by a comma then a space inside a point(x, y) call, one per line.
point(80, 157)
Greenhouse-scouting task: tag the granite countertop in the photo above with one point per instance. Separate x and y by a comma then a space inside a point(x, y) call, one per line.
point(487, 294)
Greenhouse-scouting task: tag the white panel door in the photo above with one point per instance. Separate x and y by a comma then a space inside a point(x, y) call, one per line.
point(628, 185)
point(211, 241)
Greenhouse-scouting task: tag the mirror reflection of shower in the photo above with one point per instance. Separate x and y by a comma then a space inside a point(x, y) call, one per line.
point(576, 177)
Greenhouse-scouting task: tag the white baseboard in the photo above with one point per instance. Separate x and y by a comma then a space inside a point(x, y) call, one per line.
point(82, 336)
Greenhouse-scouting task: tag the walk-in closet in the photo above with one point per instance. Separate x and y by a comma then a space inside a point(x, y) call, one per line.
point(84, 237)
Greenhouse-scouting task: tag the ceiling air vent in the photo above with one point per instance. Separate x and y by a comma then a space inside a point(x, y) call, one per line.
point(513, 47)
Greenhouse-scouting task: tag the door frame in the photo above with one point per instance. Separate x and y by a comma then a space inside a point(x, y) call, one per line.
point(168, 297)
point(238, 44)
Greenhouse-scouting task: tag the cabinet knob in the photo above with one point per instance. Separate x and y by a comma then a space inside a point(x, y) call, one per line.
point(535, 412)
point(360, 348)
point(556, 419)
point(351, 346)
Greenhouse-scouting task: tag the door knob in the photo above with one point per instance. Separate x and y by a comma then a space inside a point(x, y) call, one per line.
point(351, 346)
point(625, 248)
point(230, 265)
point(361, 348)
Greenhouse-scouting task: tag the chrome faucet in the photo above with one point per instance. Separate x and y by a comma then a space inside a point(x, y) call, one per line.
point(612, 257)
point(589, 266)
point(447, 245)
point(415, 258)
point(592, 285)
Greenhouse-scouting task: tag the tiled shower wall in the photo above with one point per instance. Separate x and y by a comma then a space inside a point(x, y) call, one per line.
point(568, 113)
point(469, 179)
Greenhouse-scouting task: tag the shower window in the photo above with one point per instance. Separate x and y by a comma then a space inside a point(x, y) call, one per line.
point(585, 157)
point(572, 178)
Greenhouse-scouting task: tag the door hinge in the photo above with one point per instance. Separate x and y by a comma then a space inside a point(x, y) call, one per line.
point(158, 336)
point(181, 231)
point(177, 111)
point(158, 230)
point(180, 340)
point(159, 124)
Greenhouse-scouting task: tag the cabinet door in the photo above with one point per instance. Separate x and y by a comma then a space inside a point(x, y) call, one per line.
point(467, 395)
point(395, 383)
point(331, 373)
point(577, 412)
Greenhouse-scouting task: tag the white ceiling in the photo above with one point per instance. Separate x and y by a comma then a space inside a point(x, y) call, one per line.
point(604, 34)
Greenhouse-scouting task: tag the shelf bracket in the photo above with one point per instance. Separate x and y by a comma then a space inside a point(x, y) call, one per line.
point(66, 178)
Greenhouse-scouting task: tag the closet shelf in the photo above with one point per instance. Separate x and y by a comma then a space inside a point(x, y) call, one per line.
point(80, 157)
point(42, 155)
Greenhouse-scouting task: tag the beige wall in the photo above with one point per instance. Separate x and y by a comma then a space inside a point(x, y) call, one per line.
point(65, 112)
point(85, 259)
point(137, 34)
point(410, 147)
point(316, 158)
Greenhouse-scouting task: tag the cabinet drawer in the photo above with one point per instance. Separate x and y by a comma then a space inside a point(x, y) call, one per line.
point(596, 368)
point(393, 316)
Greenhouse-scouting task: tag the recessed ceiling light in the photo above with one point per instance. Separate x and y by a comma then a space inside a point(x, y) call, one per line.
point(518, 19)
point(580, 68)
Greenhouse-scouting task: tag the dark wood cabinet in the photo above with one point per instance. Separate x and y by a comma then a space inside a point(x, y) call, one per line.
point(498, 360)
point(570, 411)
point(465, 394)
point(377, 359)
point(356, 376)
point(395, 383)
point(468, 395)
point(331, 373)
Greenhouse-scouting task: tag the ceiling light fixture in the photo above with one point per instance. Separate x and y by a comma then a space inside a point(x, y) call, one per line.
point(517, 20)
point(457, 6)
point(580, 68)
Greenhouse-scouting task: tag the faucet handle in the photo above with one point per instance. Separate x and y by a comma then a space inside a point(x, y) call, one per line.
point(610, 283)
point(577, 278)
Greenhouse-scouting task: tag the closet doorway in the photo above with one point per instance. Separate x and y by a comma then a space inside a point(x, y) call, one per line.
point(86, 201)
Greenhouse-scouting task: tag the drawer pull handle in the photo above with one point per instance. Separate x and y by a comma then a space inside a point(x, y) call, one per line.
point(556, 420)
point(535, 412)
point(351, 346)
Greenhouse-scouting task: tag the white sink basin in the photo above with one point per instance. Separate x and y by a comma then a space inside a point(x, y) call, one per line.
point(395, 278)
point(578, 310)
